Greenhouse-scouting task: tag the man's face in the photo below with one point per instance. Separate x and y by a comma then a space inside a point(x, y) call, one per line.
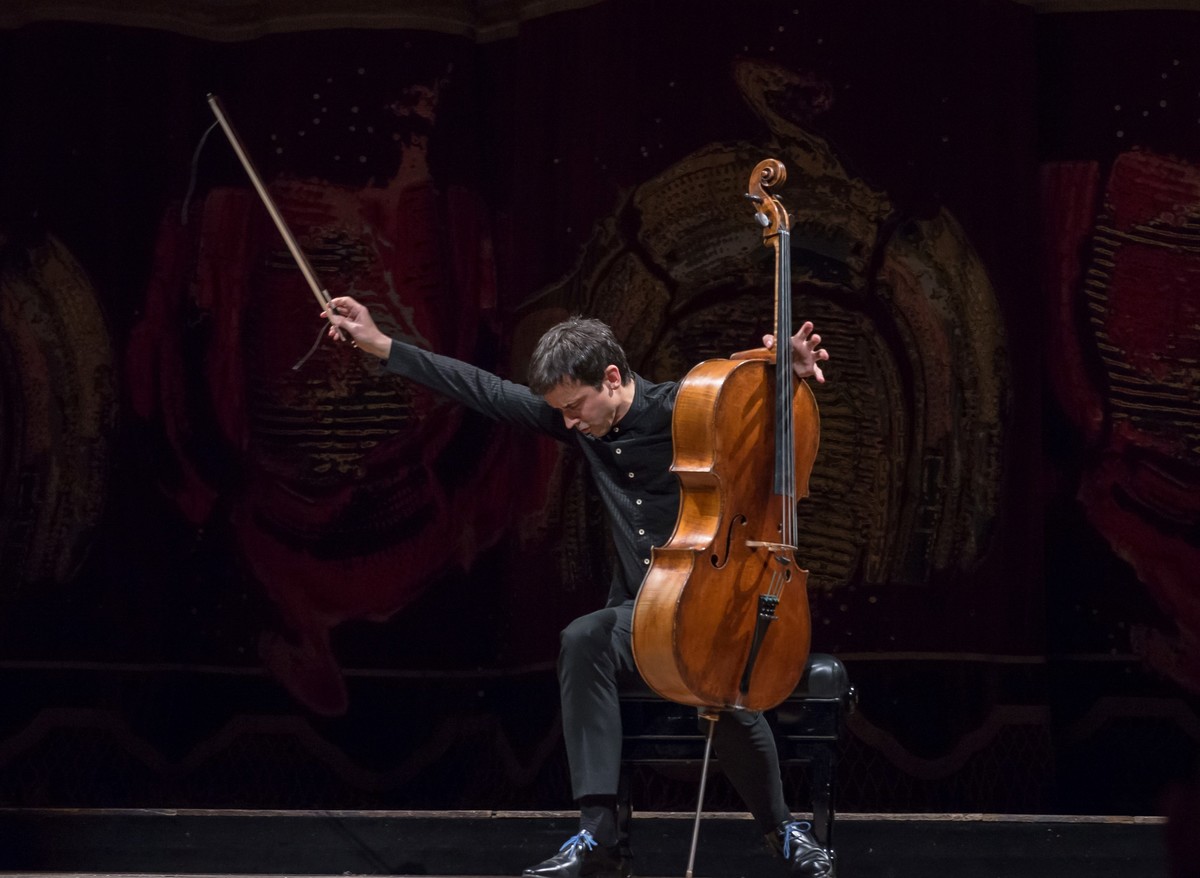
point(587, 409)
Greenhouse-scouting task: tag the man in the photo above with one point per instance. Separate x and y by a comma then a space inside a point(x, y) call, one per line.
point(582, 391)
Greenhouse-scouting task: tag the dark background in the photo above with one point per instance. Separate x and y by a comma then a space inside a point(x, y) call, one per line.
point(226, 583)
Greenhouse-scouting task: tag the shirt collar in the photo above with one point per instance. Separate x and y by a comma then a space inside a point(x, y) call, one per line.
point(636, 409)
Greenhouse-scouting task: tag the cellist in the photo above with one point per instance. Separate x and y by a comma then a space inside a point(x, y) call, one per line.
point(582, 392)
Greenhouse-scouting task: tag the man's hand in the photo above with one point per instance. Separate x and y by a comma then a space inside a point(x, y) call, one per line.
point(807, 353)
point(356, 325)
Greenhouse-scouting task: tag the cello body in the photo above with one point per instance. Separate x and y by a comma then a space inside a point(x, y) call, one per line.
point(695, 614)
point(722, 619)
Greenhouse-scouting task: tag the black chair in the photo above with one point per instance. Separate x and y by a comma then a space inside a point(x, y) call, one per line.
point(809, 726)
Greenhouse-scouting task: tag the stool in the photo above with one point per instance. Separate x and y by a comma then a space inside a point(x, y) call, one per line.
point(809, 726)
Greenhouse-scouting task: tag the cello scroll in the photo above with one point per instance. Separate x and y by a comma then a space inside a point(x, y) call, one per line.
point(769, 210)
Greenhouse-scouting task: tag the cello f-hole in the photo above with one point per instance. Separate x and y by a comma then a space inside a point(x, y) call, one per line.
point(720, 559)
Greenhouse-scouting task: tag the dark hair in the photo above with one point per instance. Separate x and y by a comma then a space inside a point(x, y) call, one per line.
point(578, 349)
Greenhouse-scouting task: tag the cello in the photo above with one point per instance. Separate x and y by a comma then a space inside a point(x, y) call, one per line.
point(722, 619)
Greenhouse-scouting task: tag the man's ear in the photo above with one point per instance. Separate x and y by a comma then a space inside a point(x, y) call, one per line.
point(612, 377)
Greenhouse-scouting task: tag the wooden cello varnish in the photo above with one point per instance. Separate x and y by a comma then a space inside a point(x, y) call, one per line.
point(722, 617)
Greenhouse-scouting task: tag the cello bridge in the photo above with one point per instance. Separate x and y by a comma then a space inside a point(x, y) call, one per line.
point(779, 550)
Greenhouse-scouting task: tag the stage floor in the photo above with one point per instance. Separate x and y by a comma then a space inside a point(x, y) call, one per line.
point(479, 844)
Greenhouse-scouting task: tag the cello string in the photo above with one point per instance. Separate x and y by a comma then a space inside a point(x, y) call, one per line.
point(784, 379)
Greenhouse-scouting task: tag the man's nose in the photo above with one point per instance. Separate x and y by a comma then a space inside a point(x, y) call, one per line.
point(569, 421)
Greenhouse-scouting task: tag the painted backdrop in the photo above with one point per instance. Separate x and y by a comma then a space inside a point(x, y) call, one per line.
point(245, 568)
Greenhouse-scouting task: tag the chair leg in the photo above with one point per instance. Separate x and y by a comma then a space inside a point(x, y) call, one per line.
point(625, 811)
point(821, 782)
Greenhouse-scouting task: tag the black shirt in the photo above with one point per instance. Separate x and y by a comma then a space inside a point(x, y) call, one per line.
point(630, 465)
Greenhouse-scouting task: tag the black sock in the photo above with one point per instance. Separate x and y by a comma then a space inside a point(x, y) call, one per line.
point(598, 815)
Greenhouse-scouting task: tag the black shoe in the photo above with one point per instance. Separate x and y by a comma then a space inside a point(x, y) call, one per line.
point(795, 842)
point(582, 857)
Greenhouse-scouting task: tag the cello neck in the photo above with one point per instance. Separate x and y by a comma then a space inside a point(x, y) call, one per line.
point(777, 234)
point(785, 428)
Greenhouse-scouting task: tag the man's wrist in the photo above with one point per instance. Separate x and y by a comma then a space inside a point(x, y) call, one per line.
point(380, 347)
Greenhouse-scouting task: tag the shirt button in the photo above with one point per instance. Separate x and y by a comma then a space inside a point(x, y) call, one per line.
point(618, 450)
point(641, 531)
point(645, 560)
point(631, 475)
point(638, 502)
